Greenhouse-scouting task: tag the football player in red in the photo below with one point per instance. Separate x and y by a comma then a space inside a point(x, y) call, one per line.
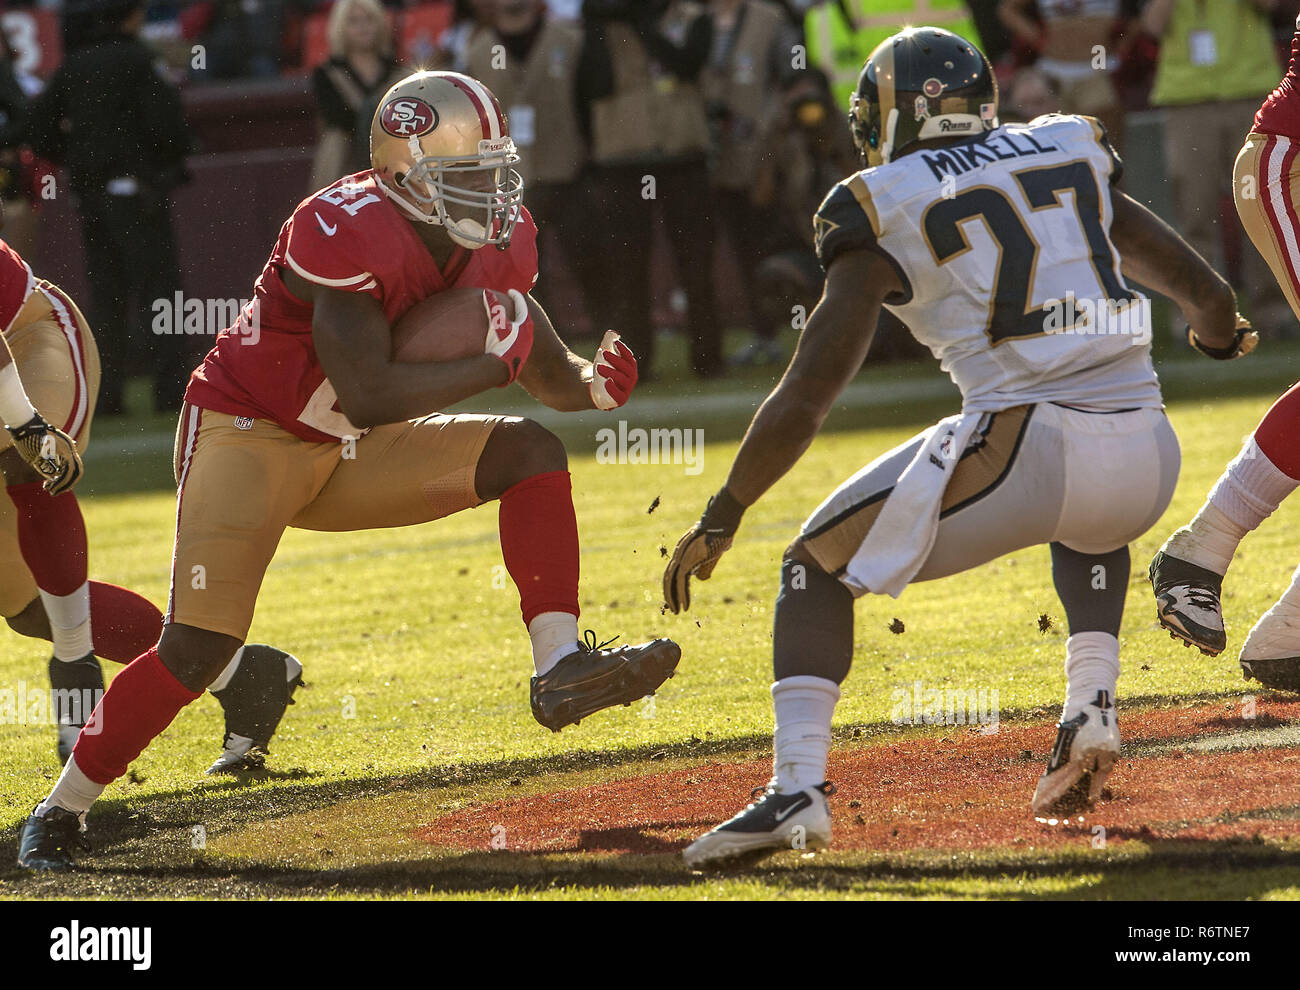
point(300, 417)
point(49, 379)
point(1187, 573)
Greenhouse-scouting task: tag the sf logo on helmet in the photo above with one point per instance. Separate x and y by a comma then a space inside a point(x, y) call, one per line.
point(408, 117)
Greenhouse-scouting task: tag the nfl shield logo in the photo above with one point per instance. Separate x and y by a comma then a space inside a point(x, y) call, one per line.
point(243, 422)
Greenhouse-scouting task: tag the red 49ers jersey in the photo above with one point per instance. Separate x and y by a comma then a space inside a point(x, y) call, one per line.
point(1280, 113)
point(16, 284)
point(349, 237)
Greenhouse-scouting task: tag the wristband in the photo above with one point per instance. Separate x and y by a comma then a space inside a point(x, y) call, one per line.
point(723, 512)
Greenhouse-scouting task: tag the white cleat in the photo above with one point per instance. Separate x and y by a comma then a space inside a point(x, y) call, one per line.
point(801, 820)
point(1271, 653)
point(1082, 758)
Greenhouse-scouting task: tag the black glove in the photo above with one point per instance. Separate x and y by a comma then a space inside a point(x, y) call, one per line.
point(1245, 341)
point(698, 551)
point(50, 452)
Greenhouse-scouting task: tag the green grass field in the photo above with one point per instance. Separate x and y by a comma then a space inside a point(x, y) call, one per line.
point(418, 669)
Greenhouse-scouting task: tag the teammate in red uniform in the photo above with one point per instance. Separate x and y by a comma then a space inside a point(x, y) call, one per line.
point(299, 417)
point(49, 379)
point(1187, 573)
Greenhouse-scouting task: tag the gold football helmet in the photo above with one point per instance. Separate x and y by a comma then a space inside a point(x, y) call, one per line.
point(442, 151)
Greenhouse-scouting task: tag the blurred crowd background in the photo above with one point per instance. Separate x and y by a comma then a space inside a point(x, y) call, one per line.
point(674, 150)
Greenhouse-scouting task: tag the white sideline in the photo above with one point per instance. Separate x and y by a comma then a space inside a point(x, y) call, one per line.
point(671, 410)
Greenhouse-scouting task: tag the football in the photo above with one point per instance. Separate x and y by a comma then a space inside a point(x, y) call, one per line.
point(448, 326)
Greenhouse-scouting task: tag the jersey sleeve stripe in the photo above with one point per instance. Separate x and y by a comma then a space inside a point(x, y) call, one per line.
point(334, 283)
point(858, 186)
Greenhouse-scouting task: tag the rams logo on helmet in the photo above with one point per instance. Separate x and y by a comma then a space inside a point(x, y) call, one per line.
point(408, 117)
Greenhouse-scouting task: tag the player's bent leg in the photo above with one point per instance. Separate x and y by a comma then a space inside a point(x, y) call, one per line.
point(409, 473)
point(255, 690)
point(140, 703)
point(1000, 498)
point(1187, 572)
point(812, 653)
point(525, 466)
point(51, 538)
point(1091, 588)
point(1102, 511)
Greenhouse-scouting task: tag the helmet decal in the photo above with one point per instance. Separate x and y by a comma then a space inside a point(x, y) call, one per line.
point(408, 116)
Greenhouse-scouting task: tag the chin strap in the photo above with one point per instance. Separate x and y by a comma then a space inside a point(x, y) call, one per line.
point(406, 205)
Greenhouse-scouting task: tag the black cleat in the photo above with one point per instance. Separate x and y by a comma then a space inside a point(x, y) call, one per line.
point(75, 689)
point(771, 821)
point(47, 842)
point(254, 702)
point(1187, 602)
point(591, 679)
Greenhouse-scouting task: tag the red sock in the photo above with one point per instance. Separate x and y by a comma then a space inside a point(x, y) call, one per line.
point(52, 537)
point(141, 702)
point(123, 623)
point(539, 540)
point(1278, 434)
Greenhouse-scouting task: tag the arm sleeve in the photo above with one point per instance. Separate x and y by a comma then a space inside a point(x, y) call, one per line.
point(1099, 135)
point(842, 223)
point(330, 259)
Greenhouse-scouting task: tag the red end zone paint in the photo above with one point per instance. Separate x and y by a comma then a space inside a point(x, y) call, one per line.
point(962, 791)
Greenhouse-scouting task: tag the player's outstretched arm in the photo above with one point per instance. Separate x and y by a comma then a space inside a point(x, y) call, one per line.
point(830, 352)
point(1154, 255)
point(831, 349)
point(354, 344)
point(558, 378)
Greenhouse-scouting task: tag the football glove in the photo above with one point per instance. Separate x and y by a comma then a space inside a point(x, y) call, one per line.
point(612, 382)
point(509, 338)
point(1245, 341)
point(50, 452)
point(697, 552)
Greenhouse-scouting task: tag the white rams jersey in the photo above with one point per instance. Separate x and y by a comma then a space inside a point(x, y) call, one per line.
point(1002, 243)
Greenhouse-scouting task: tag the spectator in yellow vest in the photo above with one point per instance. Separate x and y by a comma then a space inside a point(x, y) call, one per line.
point(1217, 62)
point(841, 34)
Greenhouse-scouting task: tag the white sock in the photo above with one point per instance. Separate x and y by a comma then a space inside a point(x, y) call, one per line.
point(1210, 540)
point(804, 708)
point(554, 636)
point(74, 792)
point(1251, 488)
point(1246, 494)
point(1091, 665)
point(70, 622)
point(1277, 633)
point(224, 677)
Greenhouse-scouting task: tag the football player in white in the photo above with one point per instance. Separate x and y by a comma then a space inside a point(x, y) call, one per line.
point(1005, 249)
